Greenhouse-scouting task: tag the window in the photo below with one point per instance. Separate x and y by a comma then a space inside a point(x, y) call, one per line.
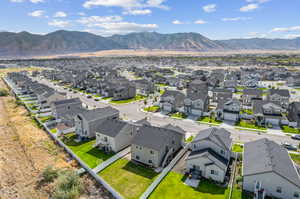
point(278, 189)
point(213, 172)
point(222, 152)
point(137, 157)
point(105, 139)
point(150, 161)
point(151, 152)
point(296, 195)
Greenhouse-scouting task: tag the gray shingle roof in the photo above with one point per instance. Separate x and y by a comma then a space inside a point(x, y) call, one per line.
point(98, 113)
point(252, 91)
point(111, 127)
point(175, 128)
point(219, 136)
point(67, 101)
point(156, 138)
point(281, 92)
point(264, 155)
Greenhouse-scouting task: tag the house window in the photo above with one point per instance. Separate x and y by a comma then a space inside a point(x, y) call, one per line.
point(278, 189)
point(136, 147)
point(105, 139)
point(222, 152)
point(173, 142)
point(296, 195)
point(68, 107)
point(137, 157)
point(213, 172)
point(151, 151)
point(150, 161)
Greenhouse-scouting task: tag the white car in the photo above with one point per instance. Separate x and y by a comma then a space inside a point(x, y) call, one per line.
point(296, 137)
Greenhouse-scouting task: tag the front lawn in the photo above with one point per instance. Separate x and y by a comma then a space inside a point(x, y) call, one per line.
point(237, 148)
point(287, 129)
point(53, 130)
point(296, 158)
point(246, 111)
point(85, 151)
point(152, 109)
point(209, 120)
point(129, 179)
point(173, 186)
point(249, 124)
point(161, 85)
point(136, 98)
point(179, 115)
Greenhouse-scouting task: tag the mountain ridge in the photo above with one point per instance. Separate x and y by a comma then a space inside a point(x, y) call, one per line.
point(62, 41)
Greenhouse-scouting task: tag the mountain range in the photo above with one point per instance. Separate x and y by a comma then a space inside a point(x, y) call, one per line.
point(61, 42)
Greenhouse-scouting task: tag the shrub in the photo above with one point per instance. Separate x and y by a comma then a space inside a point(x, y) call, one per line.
point(68, 186)
point(3, 93)
point(49, 174)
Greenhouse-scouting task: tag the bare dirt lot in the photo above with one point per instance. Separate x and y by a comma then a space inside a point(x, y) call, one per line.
point(25, 151)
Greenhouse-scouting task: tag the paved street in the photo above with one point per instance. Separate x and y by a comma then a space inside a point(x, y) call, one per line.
point(133, 112)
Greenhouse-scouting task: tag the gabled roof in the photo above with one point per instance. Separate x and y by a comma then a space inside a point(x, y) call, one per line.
point(143, 122)
point(67, 101)
point(281, 92)
point(99, 113)
point(252, 91)
point(258, 105)
point(175, 128)
point(263, 156)
point(112, 127)
point(156, 138)
point(218, 136)
point(176, 94)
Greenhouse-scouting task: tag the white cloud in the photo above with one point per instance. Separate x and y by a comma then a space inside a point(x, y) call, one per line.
point(108, 29)
point(137, 12)
point(37, 13)
point(126, 4)
point(60, 14)
point(200, 21)
point(16, 1)
point(249, 7)
point(292, 36)
point(210, 8)
point(59, 23)
point(93, 21)
point(287, 29)
point(177, 22)
point(37, 1)
point(236, 19)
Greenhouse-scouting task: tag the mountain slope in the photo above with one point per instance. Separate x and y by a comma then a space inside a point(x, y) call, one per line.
point(177, 41)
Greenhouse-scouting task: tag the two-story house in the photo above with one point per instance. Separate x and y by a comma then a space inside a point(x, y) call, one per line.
point(87, 122)
point(156, 146)
point(251, 94)
point(211, 153)
point(228, 109)
point(171, 101)
point(268, 170)
point(267, 112)
point(281, 96)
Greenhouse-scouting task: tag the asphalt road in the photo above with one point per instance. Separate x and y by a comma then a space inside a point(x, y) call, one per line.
point(133, 111)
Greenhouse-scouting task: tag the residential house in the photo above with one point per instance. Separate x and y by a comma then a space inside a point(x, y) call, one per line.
point(87, 122)
point(171, 100)
point(144, 87)
point(267, 112)
point(251, 94)
point(113, 135)
point(156, 146)
point(126, 90)
point(228, 109)
point(281, 96)
point(294, 113)
point(268, 170)
point(211, 153)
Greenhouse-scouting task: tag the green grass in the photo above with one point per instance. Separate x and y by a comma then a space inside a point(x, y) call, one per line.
point(173, 186)
point(106, 98)
point(161, 91)
point(129, 179)
point(287, 129)
point(263, 89)
point(46, 118)
point(250, 125)
point(161, 85)
point(179, 115)
point(246, 111)
point(238, 93)
point(240, 87)
point(190, 139)
point(53, 130)
point(85, 151)
point(136, 98)
point(152, 109)
point(296, 158)
point(209, 120)
point(237, 148)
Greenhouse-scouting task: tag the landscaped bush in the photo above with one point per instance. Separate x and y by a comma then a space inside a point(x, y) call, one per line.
point(3, 93)
point(288, 129)
point(179, 115)
point(153, 109)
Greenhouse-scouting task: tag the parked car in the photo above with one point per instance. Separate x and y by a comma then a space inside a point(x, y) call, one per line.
point(296, 137)
point(89, 96)
point(289, 146)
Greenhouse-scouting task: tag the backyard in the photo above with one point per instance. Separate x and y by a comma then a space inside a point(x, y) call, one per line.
point(173, 186)
point(129, 179)
point(85, 151)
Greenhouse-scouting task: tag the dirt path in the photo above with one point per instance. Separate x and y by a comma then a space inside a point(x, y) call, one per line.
point(25, 151)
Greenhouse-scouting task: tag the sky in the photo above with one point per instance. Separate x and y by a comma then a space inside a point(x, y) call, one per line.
point(215, 19)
